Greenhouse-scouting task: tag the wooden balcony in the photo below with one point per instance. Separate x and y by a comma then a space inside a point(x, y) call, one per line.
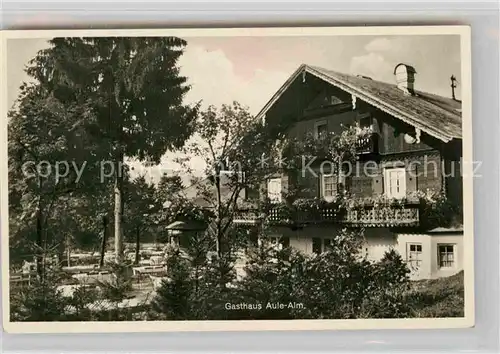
point(324, 215)
point(247, 217)
point(367, 216)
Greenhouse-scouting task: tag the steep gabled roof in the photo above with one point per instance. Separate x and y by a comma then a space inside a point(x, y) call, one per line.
point(435, 115)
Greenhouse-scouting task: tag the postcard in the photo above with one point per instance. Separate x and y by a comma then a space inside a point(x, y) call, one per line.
point(313, 178)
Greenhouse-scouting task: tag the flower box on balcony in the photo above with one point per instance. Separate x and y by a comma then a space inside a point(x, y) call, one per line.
point(382, 212)
point(387, 216)
point(367, 144)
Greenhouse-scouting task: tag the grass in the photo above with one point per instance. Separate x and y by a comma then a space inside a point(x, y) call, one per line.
point(443, 297)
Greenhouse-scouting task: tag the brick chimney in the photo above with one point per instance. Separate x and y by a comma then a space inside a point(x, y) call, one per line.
point(405, 78)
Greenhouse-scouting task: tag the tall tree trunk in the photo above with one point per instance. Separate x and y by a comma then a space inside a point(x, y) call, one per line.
point(218, 212)
point(119, 209)
point(39, 247)
point(39, 244)
point(137, 243)
point(104, 239)
point(68, 251)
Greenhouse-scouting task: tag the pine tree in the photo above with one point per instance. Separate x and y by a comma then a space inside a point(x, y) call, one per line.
point(173, 297)
point(130, 96)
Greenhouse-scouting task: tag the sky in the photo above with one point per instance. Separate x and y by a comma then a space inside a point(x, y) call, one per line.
point(251, 69)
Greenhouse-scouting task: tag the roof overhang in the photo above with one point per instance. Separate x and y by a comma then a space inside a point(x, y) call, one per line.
point(359, 94)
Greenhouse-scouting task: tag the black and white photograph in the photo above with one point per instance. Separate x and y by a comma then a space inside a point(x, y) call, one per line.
point(251, 179)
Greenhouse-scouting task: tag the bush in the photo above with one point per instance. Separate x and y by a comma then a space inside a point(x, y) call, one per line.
point(337, 284)
point(40, 301)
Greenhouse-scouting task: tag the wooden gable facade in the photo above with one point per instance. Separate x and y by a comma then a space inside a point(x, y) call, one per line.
point(313, 105)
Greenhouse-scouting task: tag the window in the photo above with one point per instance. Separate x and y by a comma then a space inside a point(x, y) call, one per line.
point(320, 129)
point(395, 182)
point(414, 255)
point(446, 256)
point(274, 190)
point(321, 245)
point(329, 185)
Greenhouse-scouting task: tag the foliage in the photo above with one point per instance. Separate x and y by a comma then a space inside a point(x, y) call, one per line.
point(442, 297)
point(336, 284)
point(127, 93)
point(195, 288)
point(117, 290)
point(437, 210)
point(216, 289)
point(266, 278)
point(308, 210)
point(235, 149)
point(336, 148)
point(173, 298)
point(45, 138)
point(40, 301)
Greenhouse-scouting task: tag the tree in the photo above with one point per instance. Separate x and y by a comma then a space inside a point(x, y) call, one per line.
point(40, 301)
point(268, 275)
point(173, 203)
point(236, 150)
point(141, 209)
point(132, 96)
point(49, 161)
point(173, 298)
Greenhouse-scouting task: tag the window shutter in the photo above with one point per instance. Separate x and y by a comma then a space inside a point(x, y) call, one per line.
point(378, 184)
point(263, 190)
point(411, 179)
point(348, 183)
point(314, 183)
point(309, 185)
point(284, 184)
point(316, 245)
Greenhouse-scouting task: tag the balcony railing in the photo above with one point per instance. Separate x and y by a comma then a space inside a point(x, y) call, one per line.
point(383, 217)
point(284, 216)
point(367, 216)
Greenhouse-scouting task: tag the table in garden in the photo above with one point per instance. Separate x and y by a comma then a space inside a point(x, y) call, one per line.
point(148, 270)
point(90, 278)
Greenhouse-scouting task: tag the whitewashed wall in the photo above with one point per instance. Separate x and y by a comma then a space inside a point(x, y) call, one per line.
point(381, 240)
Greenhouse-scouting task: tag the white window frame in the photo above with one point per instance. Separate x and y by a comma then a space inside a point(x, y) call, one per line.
point(416, 262)
point(454, 253)
point(318, 124)
point(387, 181)
point(277, 196)
point(336, 180)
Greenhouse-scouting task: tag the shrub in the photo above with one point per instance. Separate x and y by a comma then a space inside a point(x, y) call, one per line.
point(336, 284)
point(40, 301)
